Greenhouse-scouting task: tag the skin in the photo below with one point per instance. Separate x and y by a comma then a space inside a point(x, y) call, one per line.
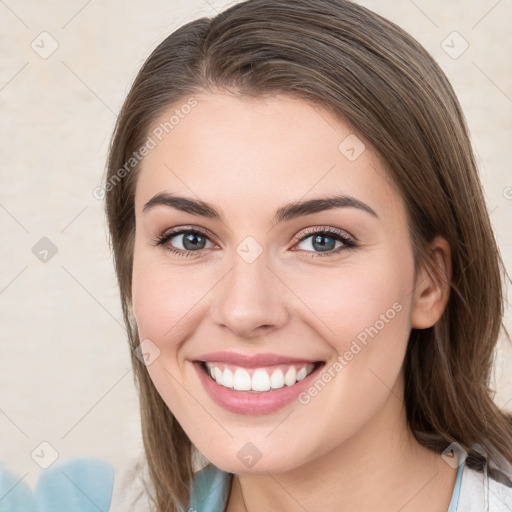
point(349, 448)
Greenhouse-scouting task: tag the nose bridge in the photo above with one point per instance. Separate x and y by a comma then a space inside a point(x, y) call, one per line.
point(250, 296)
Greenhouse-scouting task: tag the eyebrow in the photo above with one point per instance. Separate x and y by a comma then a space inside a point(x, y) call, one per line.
point(284, 213)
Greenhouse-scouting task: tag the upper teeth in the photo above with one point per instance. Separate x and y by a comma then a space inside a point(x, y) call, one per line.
point(258, 379)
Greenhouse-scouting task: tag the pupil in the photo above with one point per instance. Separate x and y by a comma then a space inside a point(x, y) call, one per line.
point(191, 241)
point(322, 246)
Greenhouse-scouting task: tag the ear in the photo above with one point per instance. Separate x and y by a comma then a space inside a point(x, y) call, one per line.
point(432, 286)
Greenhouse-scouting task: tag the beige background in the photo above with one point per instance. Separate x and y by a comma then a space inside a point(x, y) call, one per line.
point(65, 375)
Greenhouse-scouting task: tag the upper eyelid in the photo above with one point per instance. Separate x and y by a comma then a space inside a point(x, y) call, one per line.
point(171, 233)
point(325, 229)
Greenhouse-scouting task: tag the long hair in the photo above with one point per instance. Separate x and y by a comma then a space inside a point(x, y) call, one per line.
point(384, 84)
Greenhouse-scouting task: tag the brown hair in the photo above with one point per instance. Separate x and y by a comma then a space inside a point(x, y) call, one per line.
point(383, 83)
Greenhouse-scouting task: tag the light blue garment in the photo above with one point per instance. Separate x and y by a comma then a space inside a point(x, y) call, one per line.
point(456, 490)
point(209, 491)
point(82, 484)
point(15, 494)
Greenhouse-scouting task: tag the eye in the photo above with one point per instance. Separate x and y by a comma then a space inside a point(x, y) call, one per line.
point(319, 241)
point(325, 242)
point(184, 242)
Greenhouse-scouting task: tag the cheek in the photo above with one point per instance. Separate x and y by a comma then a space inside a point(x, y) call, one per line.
point(164, 305)
point(363, 313)
point(165, 299)
point(361, 302)
point(365, 318)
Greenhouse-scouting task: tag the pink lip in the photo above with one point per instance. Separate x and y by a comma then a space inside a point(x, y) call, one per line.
point(251, 403)
point(251, 361)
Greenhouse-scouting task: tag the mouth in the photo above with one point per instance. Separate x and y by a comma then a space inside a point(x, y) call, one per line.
point(256, 386)
point(258, 380)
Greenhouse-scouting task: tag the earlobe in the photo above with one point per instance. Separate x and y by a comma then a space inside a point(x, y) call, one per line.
point(432, 286)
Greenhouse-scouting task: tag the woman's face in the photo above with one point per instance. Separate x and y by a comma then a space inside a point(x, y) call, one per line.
point(266, 290)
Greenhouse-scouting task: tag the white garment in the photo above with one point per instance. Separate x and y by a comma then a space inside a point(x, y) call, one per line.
point(480, 493)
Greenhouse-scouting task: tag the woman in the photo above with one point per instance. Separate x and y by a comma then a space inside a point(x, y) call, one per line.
point(310, 281)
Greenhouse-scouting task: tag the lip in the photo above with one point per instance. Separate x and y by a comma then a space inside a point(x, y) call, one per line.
point(252, 403)
point(251, 361)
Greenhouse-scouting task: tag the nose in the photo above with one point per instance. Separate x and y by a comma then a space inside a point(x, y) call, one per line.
point(251, 300)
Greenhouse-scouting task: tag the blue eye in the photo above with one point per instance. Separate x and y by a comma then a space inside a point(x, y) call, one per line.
point(324, 242)
point(191, 241)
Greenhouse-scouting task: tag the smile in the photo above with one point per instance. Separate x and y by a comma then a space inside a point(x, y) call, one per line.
point(257, 384)
point(258, 379)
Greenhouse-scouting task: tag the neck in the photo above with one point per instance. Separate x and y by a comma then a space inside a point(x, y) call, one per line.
point(382, 467)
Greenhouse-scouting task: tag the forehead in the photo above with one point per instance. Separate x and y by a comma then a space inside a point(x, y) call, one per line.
point(246, 153)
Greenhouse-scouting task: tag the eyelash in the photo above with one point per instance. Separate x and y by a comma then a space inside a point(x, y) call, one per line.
point(348, 243)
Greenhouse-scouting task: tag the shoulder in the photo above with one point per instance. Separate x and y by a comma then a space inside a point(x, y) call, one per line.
point(209, 490)
point(481, 493)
